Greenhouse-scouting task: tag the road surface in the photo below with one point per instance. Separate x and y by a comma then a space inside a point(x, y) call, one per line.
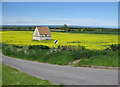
point(64, 74)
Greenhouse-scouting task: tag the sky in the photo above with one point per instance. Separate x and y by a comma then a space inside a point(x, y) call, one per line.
point(102, 14)
point(60, 0)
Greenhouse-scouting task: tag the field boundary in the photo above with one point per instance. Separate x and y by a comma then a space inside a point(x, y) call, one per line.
point(92, 66)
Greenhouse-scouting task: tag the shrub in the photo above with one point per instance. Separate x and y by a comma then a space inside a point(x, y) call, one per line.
point(65, 56)
point(16, 46)
point(115, 47)
point(84, 54)
point(37, 47)
point(110, 59)
point(71, 48)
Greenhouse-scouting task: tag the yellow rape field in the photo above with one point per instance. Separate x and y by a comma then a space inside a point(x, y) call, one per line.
point(90, 41)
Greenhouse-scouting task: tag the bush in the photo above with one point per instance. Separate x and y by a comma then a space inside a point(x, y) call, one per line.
point(71, 48)
point(84, 54)
point(65, 56)
point(37, 47)
point(101, 59)
point(114, 47)
point(16, 46)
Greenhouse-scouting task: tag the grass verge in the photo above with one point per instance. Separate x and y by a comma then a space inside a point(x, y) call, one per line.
point(66, 55)
point(107, 59)
point(12, 76)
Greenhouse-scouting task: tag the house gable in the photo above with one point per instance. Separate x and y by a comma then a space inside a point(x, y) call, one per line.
point(36, 32)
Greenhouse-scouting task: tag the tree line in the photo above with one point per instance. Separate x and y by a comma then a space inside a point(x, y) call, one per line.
point(63, 28)
point(22, 28)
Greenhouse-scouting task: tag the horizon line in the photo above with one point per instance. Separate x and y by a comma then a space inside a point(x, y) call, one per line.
point(58, 24)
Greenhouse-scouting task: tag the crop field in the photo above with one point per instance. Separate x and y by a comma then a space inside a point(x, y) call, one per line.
point(90, 41)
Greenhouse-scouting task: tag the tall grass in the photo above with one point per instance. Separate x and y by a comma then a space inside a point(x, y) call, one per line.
point(100, 58)
point(65, 55)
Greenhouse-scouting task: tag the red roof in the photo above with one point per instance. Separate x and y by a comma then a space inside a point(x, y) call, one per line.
point(44, 30)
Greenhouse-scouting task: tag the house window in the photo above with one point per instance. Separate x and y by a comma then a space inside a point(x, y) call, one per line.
point(42, 35)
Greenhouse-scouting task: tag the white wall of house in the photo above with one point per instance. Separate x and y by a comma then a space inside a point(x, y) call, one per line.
point(37, 36)
point(45, 38)
point(41, 38)
point(36, 32)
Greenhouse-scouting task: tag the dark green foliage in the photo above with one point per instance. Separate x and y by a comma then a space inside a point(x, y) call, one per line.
point(16, 46)
point(70, 47)
point(74, 42)
point(84, 54)
point(26, 52)
point(115, 47)
point(38, 47)
point(65, 28)
point(0, 46)
point(18, 28)
point(108, 58)
point(61, 58)
point(95, 32)
point(42, 54)
point(64, 54)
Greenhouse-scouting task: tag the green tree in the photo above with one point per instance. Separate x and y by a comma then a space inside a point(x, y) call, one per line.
point(11, 28)
point(30, 28)
point(62, 28)
point(66, 28)
point(4, 28)
point(18, 28)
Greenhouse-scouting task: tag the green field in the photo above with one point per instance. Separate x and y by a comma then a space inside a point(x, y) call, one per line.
point(12, 76)
point(108, 57)
point(90, 41)
point(97, 48)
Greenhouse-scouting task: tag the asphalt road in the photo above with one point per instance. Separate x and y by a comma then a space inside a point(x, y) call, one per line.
point(64, 74)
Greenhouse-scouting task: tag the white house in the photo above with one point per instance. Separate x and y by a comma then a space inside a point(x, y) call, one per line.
point(41, 33)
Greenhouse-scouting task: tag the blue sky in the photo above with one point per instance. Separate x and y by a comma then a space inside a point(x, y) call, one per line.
point(104, 14)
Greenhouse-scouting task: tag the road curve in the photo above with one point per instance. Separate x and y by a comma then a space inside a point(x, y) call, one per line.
point(64, 74)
